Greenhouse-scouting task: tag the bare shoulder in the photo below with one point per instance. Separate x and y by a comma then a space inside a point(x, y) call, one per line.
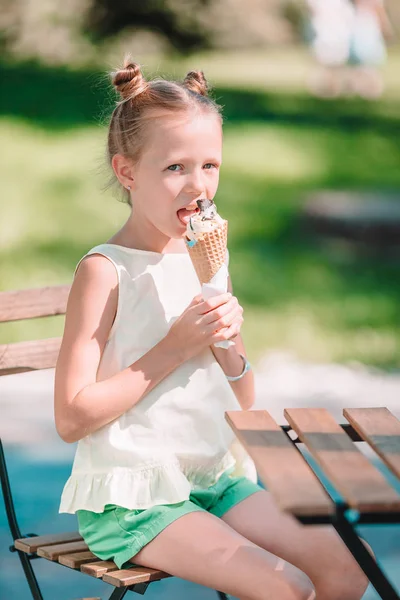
point(91, 309)
point(96, 269)
point(94, 292)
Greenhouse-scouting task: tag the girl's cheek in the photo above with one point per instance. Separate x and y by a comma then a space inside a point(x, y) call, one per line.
point(173, 187)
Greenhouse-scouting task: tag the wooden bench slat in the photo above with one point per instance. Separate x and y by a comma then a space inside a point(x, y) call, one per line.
point(31, 544)
point(126, 577)
point(279, 464)
point(53, 552)
point(76, 559)
point(360, 483)
point(47, 301)
point(381, 429)
point(29, 356)
point(99, 568)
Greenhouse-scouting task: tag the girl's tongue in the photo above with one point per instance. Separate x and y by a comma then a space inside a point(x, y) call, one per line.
point(184, 215)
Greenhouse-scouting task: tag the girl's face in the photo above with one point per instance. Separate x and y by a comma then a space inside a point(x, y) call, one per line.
point(180, 165)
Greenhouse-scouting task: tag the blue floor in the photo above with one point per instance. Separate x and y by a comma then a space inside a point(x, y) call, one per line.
point(36, 486)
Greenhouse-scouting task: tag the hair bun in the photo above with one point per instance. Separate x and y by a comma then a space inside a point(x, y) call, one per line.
point(129, 81)
point(196, 82)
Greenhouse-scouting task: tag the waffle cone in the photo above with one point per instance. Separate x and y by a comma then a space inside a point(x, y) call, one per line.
point(208, 254)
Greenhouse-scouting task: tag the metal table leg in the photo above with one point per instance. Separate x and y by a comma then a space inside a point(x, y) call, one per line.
point(367, 563)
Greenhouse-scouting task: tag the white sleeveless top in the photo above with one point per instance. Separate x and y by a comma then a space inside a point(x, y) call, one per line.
point(175, 438)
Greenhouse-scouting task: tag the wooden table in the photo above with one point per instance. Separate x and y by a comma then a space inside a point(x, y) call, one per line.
point(364, 494)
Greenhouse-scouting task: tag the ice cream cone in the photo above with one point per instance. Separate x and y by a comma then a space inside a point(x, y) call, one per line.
point(208, 254)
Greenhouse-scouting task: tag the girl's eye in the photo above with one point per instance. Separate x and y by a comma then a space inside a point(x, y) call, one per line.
point(171, 167)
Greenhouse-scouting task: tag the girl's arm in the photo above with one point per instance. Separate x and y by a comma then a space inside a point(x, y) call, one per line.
point(81, 403)
point(232, 364)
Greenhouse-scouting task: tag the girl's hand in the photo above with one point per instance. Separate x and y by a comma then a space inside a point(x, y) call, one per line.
point(205, 322)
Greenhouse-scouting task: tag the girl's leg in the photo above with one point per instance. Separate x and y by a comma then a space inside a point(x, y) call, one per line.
point(317, 550)
point(202, 548)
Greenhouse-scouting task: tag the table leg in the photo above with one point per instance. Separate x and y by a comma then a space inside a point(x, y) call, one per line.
point(364, 559)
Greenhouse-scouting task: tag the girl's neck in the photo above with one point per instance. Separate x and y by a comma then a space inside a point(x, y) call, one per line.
point(130, 238)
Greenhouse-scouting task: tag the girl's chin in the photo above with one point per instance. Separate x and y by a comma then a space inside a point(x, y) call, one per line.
point(178, 235)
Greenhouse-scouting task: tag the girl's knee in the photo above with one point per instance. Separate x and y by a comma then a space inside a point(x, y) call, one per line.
point(304, 589)
point(300, 586)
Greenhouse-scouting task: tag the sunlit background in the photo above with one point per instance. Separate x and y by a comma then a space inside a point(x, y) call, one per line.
point(324, 299)
point(310, 182)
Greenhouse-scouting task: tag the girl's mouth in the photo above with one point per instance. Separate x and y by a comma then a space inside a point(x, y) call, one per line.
point(184, 215)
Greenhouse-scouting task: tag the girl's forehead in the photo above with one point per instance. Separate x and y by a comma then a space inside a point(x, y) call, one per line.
point(173, 133)
point(180, 125)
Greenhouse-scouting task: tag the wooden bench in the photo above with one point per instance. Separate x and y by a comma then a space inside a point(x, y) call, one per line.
point(67, 549)
point(365, 495)
point(367, 220)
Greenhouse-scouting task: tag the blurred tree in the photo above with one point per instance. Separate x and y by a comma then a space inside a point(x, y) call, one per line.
point(73, 31)
point(82, 32)
point(178, 21)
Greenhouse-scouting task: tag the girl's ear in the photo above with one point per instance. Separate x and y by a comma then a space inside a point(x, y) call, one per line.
point(123, 169)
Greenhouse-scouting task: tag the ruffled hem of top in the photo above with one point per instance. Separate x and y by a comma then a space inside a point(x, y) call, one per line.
point(138, 488)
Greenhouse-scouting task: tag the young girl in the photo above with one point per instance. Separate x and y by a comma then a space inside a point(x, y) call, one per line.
point(157, 480)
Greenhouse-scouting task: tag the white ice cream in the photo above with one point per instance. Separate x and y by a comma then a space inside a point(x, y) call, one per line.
point(198, 225)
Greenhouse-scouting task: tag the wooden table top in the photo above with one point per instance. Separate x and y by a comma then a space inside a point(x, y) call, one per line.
point(286, 473)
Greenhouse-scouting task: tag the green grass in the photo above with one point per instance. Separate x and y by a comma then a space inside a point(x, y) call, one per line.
point(321, 301)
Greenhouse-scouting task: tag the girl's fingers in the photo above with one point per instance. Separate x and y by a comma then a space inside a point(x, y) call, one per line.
point(223, 315)
point(227, 320)
point(219, 313)
point(196, 300)
point(212, 303)
point(227, 333)
point(235, 329)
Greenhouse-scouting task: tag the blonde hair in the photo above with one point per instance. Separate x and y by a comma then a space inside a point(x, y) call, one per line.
point(139, 98)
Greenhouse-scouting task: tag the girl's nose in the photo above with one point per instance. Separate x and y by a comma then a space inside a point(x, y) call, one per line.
point(195, 183)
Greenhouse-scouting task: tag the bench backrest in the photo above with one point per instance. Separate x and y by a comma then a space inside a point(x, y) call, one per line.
point(30, 304)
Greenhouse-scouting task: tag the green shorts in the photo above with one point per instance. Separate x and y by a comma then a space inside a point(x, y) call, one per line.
point(119, 533)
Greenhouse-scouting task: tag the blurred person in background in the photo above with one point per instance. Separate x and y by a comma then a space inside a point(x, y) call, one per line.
point(330, 28)
point(348, 42)
point(368, 48)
